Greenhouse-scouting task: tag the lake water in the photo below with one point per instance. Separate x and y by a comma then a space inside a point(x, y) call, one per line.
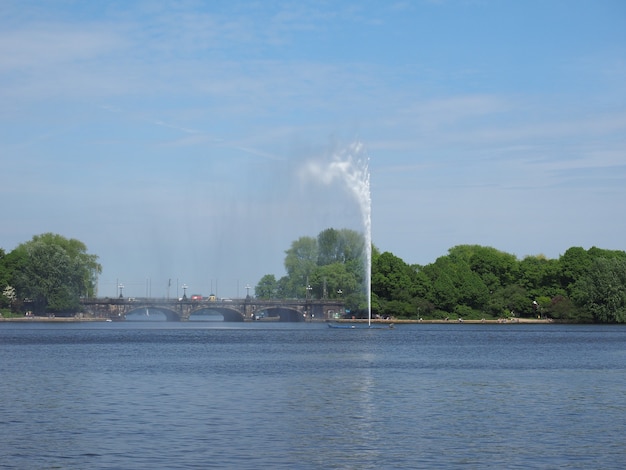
point(256, 395)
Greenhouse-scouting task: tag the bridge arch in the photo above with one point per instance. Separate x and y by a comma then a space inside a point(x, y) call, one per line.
point(284, 314)
point(229, 314)
point(170, 315)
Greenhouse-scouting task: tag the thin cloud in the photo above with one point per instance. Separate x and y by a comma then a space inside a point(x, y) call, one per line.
point(256, 152)
point(41, 46)
point(178, 128)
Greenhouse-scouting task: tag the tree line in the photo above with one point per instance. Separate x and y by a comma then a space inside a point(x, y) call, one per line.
point(469, 282)
point(48, 274)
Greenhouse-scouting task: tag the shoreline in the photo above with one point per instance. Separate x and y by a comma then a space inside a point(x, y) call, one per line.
point(502, 321)
point(513, 321)
point(51, 319)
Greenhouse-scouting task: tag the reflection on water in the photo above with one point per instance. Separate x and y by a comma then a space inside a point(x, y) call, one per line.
point(156, 315)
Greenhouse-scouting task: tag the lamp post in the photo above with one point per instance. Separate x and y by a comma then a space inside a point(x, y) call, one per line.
point(340, 311)
point(307, 307)
point(184, 286)
point(121, 288)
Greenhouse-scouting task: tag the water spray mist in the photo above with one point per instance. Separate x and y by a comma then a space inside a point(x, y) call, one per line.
point(351, 165)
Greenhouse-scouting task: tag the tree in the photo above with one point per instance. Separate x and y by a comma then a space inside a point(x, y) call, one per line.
point(10, 265)
point(392, 278)
point(472, 281)
point(339, 246)
point(444, 293)
point(540, 276)
point(329, 247)
point(495, 267)
point(54, 272)
point(515, 301)
point(267, 288)
point(86, 264)
point(602, 290)
point(563, 309)
point(333, 281)
point(573, 263)
point(5, 283)
point(455, 284)
point(324, 265)
point(300, 261)
point(393, 286)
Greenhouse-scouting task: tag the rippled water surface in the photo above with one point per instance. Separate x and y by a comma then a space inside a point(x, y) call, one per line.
point(249, 396)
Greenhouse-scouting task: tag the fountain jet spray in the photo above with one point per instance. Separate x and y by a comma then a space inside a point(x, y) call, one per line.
point(351, 165)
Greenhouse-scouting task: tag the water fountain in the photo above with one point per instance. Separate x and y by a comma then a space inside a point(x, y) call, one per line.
point(351, 166)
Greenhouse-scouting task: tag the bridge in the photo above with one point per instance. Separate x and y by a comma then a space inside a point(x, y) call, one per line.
point(233, 310)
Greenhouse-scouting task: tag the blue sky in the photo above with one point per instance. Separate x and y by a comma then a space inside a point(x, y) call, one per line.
point(170, 137)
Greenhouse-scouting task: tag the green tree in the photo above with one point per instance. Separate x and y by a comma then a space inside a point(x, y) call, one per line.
point(596, 252)
point(602, 290)
point(444, 293)
point(10, 265)
point(455, 284)
point(540, 276)
point(283, 288)
point(495, 267)
point(322, 266)
point(329, 247)
point(334, 281)
point(394, 286)
point(516, 301)
point(563, 309)
point(473, 292)
point(5, 283)
point(340, 266)
point(573, 264)
point(86, 264)
point(471, 280)
point(54, 272)
point(300, 262)
point(339, 246)
point(267, 288)
point(392, 278)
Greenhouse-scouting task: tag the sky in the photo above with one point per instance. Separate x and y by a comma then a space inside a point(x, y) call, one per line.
point(173, 137)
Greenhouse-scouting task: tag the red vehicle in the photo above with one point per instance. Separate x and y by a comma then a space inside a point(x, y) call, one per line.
point(196, 297)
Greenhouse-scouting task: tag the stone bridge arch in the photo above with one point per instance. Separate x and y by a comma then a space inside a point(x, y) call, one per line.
point(184, 312)
point(170, 315)
point(229, 314)
point(283, 314)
